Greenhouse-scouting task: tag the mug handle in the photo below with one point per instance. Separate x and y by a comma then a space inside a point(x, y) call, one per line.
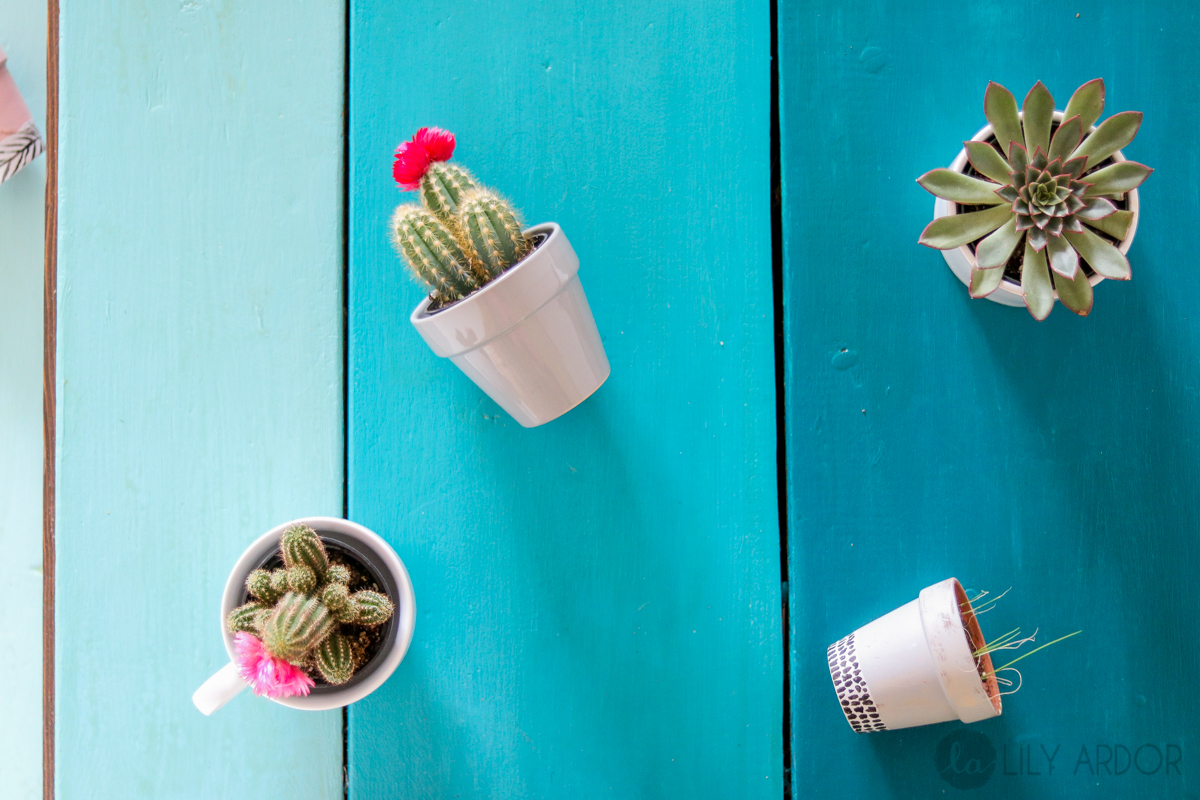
point(223, 686)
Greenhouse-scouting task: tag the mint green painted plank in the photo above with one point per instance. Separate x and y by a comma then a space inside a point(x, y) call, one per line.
point(199, 382)
point(22, 208)
point(599, 609)
point(930, 435)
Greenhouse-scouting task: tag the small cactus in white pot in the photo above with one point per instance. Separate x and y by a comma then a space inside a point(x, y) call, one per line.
point(316, 614)
point(505, 302)
point(1040, 204)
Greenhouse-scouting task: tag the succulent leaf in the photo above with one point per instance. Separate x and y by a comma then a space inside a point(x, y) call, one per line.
point(1100, 255)
point(1000, 108)
point(1035, 284)
point(1117, 178)
point(1096, 208)
point(1066, 139)
point(1116, 225)
point(334, 659)
point(1038, 114)
point(1087, 103)
point(1075, 293)
point(1113, 134)
point(985, 281)
point(988, 161)
point(994, 251)
point(1063, 258)
point(946, 233)
point(950, 185)
point(1018, 157)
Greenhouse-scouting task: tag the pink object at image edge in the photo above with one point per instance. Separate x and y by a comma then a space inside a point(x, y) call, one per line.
point(13, 111)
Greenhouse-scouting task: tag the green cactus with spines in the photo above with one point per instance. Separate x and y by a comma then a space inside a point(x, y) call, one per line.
point(295, 627)
point(300, 545)
point(336, 598)
point(308, 618)
point(338, 573)
point(442, 189)
point(492, 230)
point(435, 253)
point(371, 608)
point(279, 583)
point(302, 579)
point(335, 659)
point(259, 585)
point(478, 233)
point(246, 618)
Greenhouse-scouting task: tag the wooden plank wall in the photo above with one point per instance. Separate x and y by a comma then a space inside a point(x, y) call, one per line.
point(598, 599)
point(199, 376)
point(930, 435)
point(23, 37)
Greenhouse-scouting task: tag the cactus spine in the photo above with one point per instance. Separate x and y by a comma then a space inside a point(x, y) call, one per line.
point(371, 608)
point(295, 627)
point(493, 231)
point(246, 618)
point(335, 660)
point(442, 188)
point(338, 574)
point(301, 546)
point(435, 253)
point(260, 586)
point(302, 579)
point(336, 598)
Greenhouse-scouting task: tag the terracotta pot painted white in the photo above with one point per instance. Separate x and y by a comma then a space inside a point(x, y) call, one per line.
point(914, 666)
point(374, 553)
point(20, 141)
point(527, 338)
point(961, 260)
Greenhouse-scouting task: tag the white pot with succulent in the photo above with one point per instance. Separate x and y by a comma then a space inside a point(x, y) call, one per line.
point(1040, 204)
point(924, 663)
point(505, 305)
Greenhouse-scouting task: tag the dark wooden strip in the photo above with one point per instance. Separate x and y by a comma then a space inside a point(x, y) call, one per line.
point(50, 323)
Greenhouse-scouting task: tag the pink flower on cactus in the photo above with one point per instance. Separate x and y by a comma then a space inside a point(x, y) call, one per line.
point(439, 144)
point(267, 675)
point(413, 158)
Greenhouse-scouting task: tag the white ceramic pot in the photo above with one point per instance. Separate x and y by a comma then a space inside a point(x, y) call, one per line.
point(961, 260)
point(20, 141)
point(371, 551)
point(527, 338)
point(914, 666)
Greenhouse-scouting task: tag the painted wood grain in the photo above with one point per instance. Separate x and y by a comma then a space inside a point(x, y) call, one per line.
point(23, 37)
point(930, 435)
point(598, 599)
point(199, 376)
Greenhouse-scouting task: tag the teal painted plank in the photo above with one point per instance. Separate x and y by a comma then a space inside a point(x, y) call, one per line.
point(930, 435)
point(22, 209)
point(598, 598)
point(199, 383)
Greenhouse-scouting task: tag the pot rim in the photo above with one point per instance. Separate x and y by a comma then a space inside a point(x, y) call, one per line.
point(421, 316)
point(405, 604)
point(1007, 285)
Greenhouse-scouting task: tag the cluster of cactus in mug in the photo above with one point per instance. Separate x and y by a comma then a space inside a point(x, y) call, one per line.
point(301, 618)
point(462, 235)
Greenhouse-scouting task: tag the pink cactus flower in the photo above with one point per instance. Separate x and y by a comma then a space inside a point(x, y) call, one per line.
point(439, 144)
point(414, 157)
point(268, 676)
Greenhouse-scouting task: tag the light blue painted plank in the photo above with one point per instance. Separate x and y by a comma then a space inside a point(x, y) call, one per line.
point(199, 383)
point(599, 610)
point(957, 437)
point(22, 208)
